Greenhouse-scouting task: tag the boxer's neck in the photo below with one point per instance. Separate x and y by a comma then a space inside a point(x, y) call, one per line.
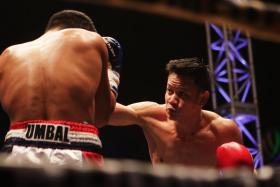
point(189, 127)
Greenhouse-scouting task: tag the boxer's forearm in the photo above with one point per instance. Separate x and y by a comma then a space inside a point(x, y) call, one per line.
point(122, 116)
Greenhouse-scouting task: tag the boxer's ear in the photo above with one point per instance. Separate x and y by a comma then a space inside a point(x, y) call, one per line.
point(204, 96)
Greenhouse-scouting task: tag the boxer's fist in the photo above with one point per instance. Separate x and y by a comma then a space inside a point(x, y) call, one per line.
point(233, 155)
point(115, 57)
point(115, 53)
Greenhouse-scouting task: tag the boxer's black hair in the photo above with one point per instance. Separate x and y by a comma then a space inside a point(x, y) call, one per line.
point(70, 19)
point(193, 68)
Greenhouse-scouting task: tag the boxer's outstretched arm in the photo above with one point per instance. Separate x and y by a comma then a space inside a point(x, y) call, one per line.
point(123, 115)
point(133, 114)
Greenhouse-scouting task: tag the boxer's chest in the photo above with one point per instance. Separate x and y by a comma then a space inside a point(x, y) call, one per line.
point(198, 150)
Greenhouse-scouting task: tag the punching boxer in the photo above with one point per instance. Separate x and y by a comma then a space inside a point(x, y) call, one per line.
point(55, 90)
point(180, 131)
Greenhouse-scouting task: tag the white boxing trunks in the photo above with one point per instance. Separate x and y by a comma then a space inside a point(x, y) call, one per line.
point(53, 142)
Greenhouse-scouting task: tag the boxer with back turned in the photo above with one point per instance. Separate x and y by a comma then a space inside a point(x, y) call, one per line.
point(55, 90)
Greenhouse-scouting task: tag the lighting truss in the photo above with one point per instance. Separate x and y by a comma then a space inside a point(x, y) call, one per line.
point(233, 83)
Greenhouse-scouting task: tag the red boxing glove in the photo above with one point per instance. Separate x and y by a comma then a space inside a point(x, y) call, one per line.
point(232, 155)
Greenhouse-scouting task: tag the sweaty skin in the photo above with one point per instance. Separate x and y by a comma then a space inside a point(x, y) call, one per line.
point(62, 75)
point(179, 131)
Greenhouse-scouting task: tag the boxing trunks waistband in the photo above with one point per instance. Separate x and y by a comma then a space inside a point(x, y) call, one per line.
point(54, 134)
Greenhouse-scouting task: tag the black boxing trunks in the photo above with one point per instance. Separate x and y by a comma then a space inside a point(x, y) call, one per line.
point(53, 142)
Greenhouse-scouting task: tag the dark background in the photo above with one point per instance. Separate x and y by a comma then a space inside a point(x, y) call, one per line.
point(149, 41)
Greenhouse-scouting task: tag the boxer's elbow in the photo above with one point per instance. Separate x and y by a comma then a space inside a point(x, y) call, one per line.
point(103, 113)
